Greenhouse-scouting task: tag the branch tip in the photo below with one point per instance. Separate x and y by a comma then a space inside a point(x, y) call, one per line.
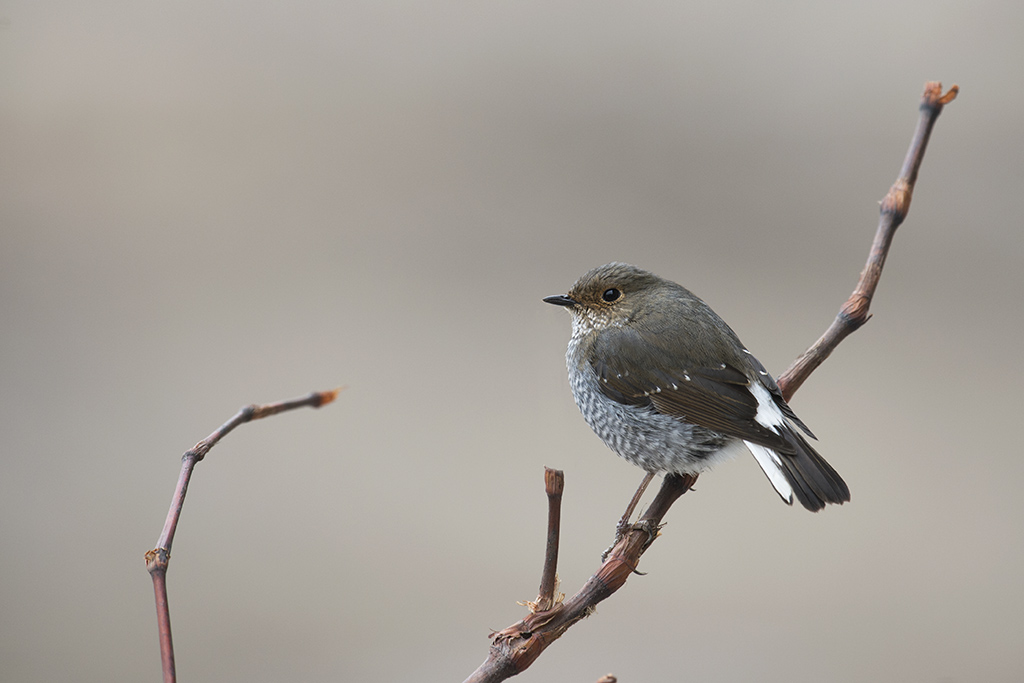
point(554, 481)
point(933, 96)
point(325, 397)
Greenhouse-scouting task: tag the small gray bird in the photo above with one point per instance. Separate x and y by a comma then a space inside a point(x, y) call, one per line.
point(669, 386)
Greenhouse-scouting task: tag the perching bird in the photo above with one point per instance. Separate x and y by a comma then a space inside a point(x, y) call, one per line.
point(669, 386)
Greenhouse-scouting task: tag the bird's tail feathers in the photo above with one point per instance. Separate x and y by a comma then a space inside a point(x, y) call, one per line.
point(803, 474)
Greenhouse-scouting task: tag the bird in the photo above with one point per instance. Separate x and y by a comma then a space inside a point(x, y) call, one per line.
point(669, 387)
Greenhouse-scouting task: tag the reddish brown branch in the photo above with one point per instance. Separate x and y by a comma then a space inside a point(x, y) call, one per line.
point(516, 647)
point(894, 208)
point(554, 482)
point(158, 558)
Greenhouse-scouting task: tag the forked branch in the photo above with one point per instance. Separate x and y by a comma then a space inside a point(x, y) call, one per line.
point(515, 648)
point(158, 558)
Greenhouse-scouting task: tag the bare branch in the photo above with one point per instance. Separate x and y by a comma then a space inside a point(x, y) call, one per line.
point(894, 208)
point(158, 558)
point(554, 482)
point(515, 648)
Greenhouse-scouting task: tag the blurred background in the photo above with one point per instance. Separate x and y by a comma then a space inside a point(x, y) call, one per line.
point(210, 204)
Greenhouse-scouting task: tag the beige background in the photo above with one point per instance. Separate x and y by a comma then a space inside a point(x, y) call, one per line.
point(207, 204)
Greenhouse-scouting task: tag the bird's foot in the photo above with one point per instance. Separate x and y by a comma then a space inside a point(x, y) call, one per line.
point(624, 527)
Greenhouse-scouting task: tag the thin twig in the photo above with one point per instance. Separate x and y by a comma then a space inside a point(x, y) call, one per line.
point(515, 648)
point(158, 558)
point(894, 208)
point(554, 483)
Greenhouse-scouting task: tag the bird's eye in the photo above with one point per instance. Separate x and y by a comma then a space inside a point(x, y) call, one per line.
point(611, 295)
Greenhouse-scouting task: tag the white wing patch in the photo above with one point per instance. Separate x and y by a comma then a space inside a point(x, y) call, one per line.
point(768, 414)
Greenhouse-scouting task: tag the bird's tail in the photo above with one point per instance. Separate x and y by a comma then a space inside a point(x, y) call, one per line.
point(803, 473)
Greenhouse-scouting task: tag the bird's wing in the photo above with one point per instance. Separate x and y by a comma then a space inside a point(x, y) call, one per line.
point(715, 397)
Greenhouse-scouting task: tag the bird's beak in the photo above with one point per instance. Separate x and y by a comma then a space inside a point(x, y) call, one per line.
point(559, 300)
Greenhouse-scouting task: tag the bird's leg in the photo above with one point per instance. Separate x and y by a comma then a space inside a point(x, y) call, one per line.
point(623, 526)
